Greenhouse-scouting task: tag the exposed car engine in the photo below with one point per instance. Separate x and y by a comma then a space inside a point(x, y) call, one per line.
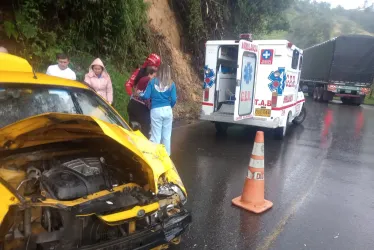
point(74, 179)
point(70, 178)
point(79, 198)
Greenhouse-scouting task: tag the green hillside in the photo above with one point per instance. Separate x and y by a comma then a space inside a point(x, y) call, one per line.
point(311, 23)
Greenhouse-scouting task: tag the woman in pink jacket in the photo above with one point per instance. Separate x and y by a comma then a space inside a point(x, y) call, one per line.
point(99, 79)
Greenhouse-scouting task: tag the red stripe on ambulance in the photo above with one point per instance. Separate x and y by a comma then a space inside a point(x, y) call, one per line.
point(288, 106)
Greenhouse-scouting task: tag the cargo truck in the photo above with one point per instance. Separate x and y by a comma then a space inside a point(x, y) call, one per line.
point(342, 66)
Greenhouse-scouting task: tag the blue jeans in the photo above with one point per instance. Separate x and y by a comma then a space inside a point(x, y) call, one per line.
point(161, 126)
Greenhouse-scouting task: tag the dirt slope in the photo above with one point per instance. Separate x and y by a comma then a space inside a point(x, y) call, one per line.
point(167, 36)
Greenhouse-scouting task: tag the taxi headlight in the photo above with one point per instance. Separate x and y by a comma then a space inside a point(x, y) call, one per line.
point(170, 189)
point(170, 183)
point(179, 191)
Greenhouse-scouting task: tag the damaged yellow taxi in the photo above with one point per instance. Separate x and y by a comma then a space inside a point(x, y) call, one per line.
point(74, 175)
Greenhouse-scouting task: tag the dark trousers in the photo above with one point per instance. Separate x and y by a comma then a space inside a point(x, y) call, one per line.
point(140, 113)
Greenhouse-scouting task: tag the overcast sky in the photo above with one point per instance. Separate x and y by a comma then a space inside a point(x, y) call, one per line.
point(347, 4)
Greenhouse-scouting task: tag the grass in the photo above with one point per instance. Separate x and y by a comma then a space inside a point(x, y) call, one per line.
point(369, 100)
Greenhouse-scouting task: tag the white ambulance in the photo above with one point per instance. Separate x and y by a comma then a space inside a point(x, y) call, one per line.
point(253, 83)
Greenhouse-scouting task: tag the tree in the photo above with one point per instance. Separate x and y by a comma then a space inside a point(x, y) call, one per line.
point(312, 24)
point(224, 19)
point(113, 29)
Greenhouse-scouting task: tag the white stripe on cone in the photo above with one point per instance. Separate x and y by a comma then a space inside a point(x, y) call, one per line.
point(258, 149)
point(255, 176)
point(256, 163)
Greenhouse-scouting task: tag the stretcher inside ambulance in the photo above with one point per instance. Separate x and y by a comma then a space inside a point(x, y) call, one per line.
point(253, 83)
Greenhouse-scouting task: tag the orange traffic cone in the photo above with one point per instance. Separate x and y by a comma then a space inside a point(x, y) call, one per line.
point(252, 198)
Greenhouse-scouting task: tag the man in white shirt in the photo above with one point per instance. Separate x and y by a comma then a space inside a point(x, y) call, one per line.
point(61, 69)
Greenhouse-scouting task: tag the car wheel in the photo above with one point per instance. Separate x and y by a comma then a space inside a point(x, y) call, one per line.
point(301, 117)
point(221, 127)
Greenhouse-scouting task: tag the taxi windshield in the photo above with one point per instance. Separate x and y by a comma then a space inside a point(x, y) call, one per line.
point(21, 102)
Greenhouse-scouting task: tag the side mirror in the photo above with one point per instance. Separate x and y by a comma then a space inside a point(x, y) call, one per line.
point(136, 126)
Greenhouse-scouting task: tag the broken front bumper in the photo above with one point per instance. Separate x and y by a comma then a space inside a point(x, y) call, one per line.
point(160, 234)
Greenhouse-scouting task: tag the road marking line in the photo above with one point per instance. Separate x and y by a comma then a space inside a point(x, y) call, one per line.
point(295, 205)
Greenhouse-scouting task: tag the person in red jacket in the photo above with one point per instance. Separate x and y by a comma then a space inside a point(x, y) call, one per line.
point(153, 60)
point(137, 108)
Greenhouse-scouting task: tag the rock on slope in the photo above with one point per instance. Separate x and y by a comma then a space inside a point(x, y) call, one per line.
point(167, 35)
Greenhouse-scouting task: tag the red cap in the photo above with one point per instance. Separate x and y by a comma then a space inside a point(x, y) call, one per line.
point(152, 60)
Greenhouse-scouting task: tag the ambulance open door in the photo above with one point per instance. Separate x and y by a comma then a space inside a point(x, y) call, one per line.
point(245, 80)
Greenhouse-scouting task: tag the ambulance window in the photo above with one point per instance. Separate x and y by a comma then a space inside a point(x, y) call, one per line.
point(247, 83)
point(301, 62)
point(295, 59)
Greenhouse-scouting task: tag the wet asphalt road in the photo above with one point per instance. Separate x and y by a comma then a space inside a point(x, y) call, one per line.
point(320, 179)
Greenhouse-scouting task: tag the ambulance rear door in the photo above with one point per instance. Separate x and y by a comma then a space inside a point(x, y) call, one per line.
point(245, 80)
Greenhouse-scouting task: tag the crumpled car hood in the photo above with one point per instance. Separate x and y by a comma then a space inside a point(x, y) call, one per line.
point(58, 127)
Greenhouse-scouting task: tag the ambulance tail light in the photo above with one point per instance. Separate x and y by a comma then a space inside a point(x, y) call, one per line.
point(274, 99)
point(206, 95)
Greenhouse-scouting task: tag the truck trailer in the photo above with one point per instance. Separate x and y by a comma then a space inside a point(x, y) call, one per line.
point(342, 66)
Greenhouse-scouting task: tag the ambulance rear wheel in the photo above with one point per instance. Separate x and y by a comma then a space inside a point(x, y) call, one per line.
point(221, 127)
point(301, 117)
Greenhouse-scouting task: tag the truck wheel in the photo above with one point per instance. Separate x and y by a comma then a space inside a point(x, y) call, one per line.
point(358, 101)
point(301, 117)
point(327, 96)
point(315, 94)
point(346, 101)
point(221, 127)
point(280, 132)
point(320, 94)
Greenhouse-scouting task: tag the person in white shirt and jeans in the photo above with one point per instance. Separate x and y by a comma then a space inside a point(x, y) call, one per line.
point(61, 69)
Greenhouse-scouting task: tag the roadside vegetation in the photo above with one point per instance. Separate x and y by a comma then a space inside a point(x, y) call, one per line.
point(312, 22)
point(118, 31)
point(204, 20)
point(369, 100)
